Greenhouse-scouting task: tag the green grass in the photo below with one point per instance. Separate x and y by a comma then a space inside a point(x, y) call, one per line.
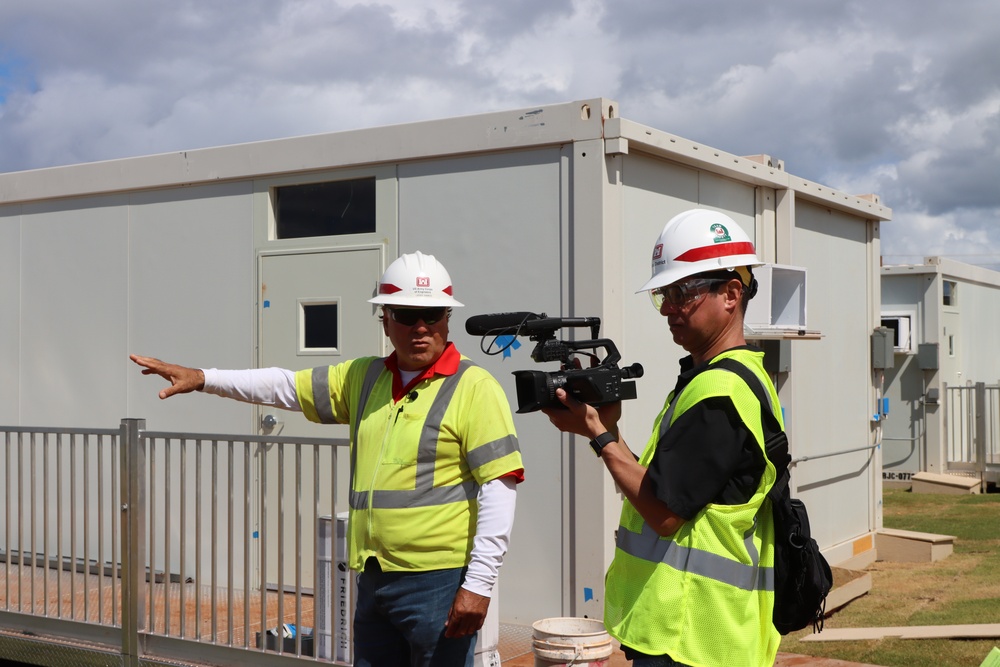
point(963, 588)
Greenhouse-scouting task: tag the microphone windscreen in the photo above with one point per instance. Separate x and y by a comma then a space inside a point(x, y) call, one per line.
point(496, 324)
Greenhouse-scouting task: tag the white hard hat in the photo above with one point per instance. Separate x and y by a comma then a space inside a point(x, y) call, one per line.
point(417, 280)
point(697, 241)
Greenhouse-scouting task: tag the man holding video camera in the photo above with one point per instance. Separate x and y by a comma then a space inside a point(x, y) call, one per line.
point(434, 467)
point(689, 581)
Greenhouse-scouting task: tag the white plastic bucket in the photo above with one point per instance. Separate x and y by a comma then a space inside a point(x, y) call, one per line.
point(570, 641)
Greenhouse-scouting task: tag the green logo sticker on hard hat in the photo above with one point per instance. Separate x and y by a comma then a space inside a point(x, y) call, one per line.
point(721, 233)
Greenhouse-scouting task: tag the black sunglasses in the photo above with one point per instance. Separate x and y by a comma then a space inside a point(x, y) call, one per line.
point(410, 316)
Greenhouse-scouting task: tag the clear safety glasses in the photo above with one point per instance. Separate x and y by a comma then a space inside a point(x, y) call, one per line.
point(410, 316)
point(682, 294)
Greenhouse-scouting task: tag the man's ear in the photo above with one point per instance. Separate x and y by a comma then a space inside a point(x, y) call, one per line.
point(734, 293)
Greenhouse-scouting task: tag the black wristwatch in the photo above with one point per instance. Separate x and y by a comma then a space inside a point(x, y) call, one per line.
point(602, 441)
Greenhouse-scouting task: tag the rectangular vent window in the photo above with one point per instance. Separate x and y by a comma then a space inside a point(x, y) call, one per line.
point(333, 208)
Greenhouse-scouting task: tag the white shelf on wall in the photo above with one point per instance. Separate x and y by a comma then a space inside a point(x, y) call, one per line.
point(780, 334)
point(778, 311)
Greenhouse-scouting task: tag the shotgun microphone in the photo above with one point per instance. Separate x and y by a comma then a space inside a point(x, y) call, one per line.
point(498, 324)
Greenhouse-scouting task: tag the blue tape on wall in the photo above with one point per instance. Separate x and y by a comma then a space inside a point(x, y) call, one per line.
point(507, 343)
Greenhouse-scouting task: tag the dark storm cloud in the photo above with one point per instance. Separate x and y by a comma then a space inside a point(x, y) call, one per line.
point(900, 97)
point(964, 177)
point(504, 21)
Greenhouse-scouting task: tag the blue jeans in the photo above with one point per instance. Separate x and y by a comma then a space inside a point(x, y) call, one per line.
point(400, 616)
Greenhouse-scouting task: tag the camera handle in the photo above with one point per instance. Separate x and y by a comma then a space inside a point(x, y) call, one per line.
point(562, 350)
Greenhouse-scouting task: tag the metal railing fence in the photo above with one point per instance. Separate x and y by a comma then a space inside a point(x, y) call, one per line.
point(180, 545)
point(60, 497)
point(972, 426)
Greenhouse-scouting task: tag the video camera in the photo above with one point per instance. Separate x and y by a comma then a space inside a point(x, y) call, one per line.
point(601, 383)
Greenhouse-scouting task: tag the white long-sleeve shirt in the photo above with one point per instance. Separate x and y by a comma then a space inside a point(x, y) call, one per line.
point(276, 387)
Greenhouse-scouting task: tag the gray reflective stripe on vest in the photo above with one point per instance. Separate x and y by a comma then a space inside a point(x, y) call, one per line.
point(441, 495)
point(492, 451)
point(648, 546)
point(320, 379)
point(427, 449)
point(367, 385)
point(323, 402)
point(424, 494)
point(668, 415)
point(321, 394)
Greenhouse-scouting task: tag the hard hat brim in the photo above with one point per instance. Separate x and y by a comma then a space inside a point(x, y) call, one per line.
point(416, 302)
point(669, 276)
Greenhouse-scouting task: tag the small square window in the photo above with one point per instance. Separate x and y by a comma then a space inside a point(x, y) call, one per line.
point(333, 208)
point(949, 289)
point(320, 325)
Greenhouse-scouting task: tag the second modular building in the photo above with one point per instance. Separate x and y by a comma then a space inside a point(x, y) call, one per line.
point(943, 380)
point(221, 258)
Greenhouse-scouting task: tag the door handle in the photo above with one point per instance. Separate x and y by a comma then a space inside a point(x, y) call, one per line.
point(268, 423)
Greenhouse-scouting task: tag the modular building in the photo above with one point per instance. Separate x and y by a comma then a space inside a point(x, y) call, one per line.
point(264, 254)
point(943, 379)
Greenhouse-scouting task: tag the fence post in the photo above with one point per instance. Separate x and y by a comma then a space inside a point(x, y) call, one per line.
point(133, 556)
point(946, 415)
point(980, 441)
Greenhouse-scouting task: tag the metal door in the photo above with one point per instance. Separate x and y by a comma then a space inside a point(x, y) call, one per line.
point(313, 312)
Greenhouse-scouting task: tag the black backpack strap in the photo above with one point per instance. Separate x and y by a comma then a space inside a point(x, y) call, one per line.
point(775, 440)
point(755, 385)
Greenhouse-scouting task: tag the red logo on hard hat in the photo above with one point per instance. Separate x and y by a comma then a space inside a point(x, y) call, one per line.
point(658, 251)
point(423, 281)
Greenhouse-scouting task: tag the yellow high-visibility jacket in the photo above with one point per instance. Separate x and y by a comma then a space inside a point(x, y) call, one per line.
point(417, 461)
point(704, 596)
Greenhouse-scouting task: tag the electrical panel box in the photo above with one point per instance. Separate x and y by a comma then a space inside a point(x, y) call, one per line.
point(780, 303)
point(882, 348)
point(927, 356)
point(777, 355)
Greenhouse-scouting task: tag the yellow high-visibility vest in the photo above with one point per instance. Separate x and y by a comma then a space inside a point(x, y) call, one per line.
point(704, 596)
point(417, 463)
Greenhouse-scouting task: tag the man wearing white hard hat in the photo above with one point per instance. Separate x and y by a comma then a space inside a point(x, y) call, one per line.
point(434, 467)
point(689, 583)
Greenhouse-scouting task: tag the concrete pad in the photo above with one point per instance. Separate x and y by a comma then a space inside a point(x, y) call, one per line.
point(928, 482)
point(910, 546)
point(796, 660)
point(981, 631)
point(848, 585)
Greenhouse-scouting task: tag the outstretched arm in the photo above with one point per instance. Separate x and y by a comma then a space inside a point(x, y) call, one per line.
point(182, 379)
point(263, 386)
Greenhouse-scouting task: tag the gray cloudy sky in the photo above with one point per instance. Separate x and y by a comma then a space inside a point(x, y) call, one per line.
point(896, 97)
